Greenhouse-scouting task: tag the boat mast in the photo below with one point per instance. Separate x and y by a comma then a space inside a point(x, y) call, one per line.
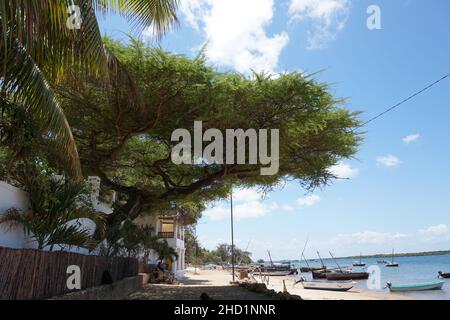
point(335, 261)
point(303, 256)
point(271, 262)
point(303, 252)
point(321, 261)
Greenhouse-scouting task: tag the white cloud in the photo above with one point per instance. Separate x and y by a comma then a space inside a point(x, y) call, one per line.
point(248, 204)
point(243, 195)
point(308, 201)
point(235, 31)
point(368, 237)
point(328, 18)
point(389, 160)
point(242, 211)
point(435, 231)
point(411, 138)
point(288, 208)
point(343, 171)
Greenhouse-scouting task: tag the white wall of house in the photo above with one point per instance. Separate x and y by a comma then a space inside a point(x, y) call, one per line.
point(12, 197)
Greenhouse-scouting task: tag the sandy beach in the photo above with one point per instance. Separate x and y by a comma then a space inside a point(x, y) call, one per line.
point(216, 283)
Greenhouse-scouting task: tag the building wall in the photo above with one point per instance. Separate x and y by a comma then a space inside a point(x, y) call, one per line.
point(12, 197)
point(178, 266)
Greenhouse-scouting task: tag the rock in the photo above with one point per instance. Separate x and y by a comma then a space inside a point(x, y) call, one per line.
point(205, 297)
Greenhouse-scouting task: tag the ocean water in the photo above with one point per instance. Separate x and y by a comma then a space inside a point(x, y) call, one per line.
point(411, 270)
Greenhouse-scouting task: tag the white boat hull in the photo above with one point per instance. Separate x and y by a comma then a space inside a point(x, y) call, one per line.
point(328, 285)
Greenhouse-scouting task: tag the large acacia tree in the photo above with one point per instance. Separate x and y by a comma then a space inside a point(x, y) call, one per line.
point(130, 150)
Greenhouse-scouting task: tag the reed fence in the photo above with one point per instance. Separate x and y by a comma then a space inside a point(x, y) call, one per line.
point(28, 274)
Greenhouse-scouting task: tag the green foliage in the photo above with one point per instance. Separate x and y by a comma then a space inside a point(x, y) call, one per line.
point(36, 47)
point(195, 254)
point(132, 240)
point(130, 150)
point(55, 211)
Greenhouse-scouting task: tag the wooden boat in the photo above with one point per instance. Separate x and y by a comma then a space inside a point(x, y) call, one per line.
point(320, 274)
point(275, 269)
point(360, 263)
point(435, 285)
point(327, 285)
point(392, 264)
point(445, 275)
point(347, 276)
point(310, 269)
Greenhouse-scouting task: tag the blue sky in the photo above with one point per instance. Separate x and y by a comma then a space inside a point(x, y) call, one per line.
point(399, 192)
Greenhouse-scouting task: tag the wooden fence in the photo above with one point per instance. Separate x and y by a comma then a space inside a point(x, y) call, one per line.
point(35, 274)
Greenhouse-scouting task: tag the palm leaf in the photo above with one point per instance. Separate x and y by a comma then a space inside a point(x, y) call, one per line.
point(27, 86)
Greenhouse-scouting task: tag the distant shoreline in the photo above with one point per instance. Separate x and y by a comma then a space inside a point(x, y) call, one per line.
point(388, 255)
point(410, 254)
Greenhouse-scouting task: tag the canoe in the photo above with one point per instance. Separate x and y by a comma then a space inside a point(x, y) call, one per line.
point(348, 276)
point(445, 275)
point(327, 285)
point(435, 285)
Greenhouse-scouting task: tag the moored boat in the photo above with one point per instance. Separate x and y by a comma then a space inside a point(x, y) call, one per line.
point(310, 269)
point(445, 275)
point(360, 263)
point(320, 274)
point(347, 276)
point(275, 269)
point(327, 285)
point(434, 285)
point(392, 263)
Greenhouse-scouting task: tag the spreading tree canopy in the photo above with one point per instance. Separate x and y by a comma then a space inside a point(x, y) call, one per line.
point(130, 149)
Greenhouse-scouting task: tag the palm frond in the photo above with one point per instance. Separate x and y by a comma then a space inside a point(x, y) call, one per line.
point(159, 15)
point(27, 86)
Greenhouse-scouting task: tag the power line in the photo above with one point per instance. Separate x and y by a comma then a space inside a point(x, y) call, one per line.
point(404, 101)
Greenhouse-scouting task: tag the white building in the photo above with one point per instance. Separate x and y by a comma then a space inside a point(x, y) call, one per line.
point(165, 223)
point(12, 197)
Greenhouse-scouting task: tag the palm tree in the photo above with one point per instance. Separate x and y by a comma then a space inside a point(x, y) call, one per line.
point(54, 216)
point(37, 47)
point(165, 251)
